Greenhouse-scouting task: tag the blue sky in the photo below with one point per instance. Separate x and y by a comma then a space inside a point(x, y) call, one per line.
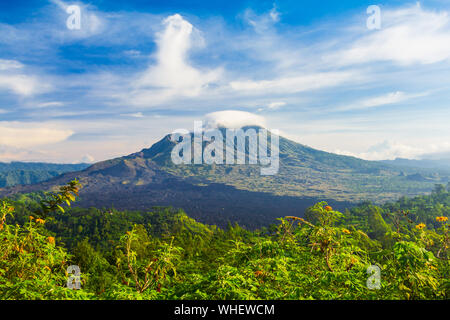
point(137, 70)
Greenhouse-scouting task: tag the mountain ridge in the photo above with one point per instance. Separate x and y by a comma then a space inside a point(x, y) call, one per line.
point(422, 163)
point(218, 194)
point(19, 173)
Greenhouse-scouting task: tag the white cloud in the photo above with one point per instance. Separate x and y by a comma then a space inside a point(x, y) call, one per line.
point(10, 64)
point(264, 22)
point(233, 119)
point(296, 83)
point(390, 150)
point(21, 84)
point(25, 135)
point(87, 159)
point(9, 153)
point(276, 105)
point(390, 98)
point(50, 104)
point(173, 75)
point(133, 115)
point(272, 106)
point(408, 36)
point(274, 14)
point(13, 78)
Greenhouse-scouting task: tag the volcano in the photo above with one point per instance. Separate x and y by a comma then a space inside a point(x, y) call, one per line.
point(227, 193)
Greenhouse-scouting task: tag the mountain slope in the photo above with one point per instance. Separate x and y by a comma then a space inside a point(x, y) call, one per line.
point(227, 193)
point(305, 171)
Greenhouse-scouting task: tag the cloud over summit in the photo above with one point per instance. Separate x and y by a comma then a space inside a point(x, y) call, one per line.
point(233, 119)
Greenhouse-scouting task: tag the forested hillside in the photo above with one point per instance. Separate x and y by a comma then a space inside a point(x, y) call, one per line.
point(19, 173)
point(164, 254)
point(216, 194)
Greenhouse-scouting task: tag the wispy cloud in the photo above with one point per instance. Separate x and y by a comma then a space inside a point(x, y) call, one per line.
point(294, 84)
point(276, 105)
point(24, 135)
point(408, 36)
point(14, 78)
point(262, 23)
point(10, 64)
point(133, 115)
point(387, 99)
point(50, 104)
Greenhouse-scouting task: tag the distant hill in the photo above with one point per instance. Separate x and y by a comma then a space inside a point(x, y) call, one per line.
point(217, 194)
point(19, 173)
point(428, 164)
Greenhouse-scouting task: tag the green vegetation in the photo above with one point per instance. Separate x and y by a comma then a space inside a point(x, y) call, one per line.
point(217, 194)
point(164, 254)
point(17, 173)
